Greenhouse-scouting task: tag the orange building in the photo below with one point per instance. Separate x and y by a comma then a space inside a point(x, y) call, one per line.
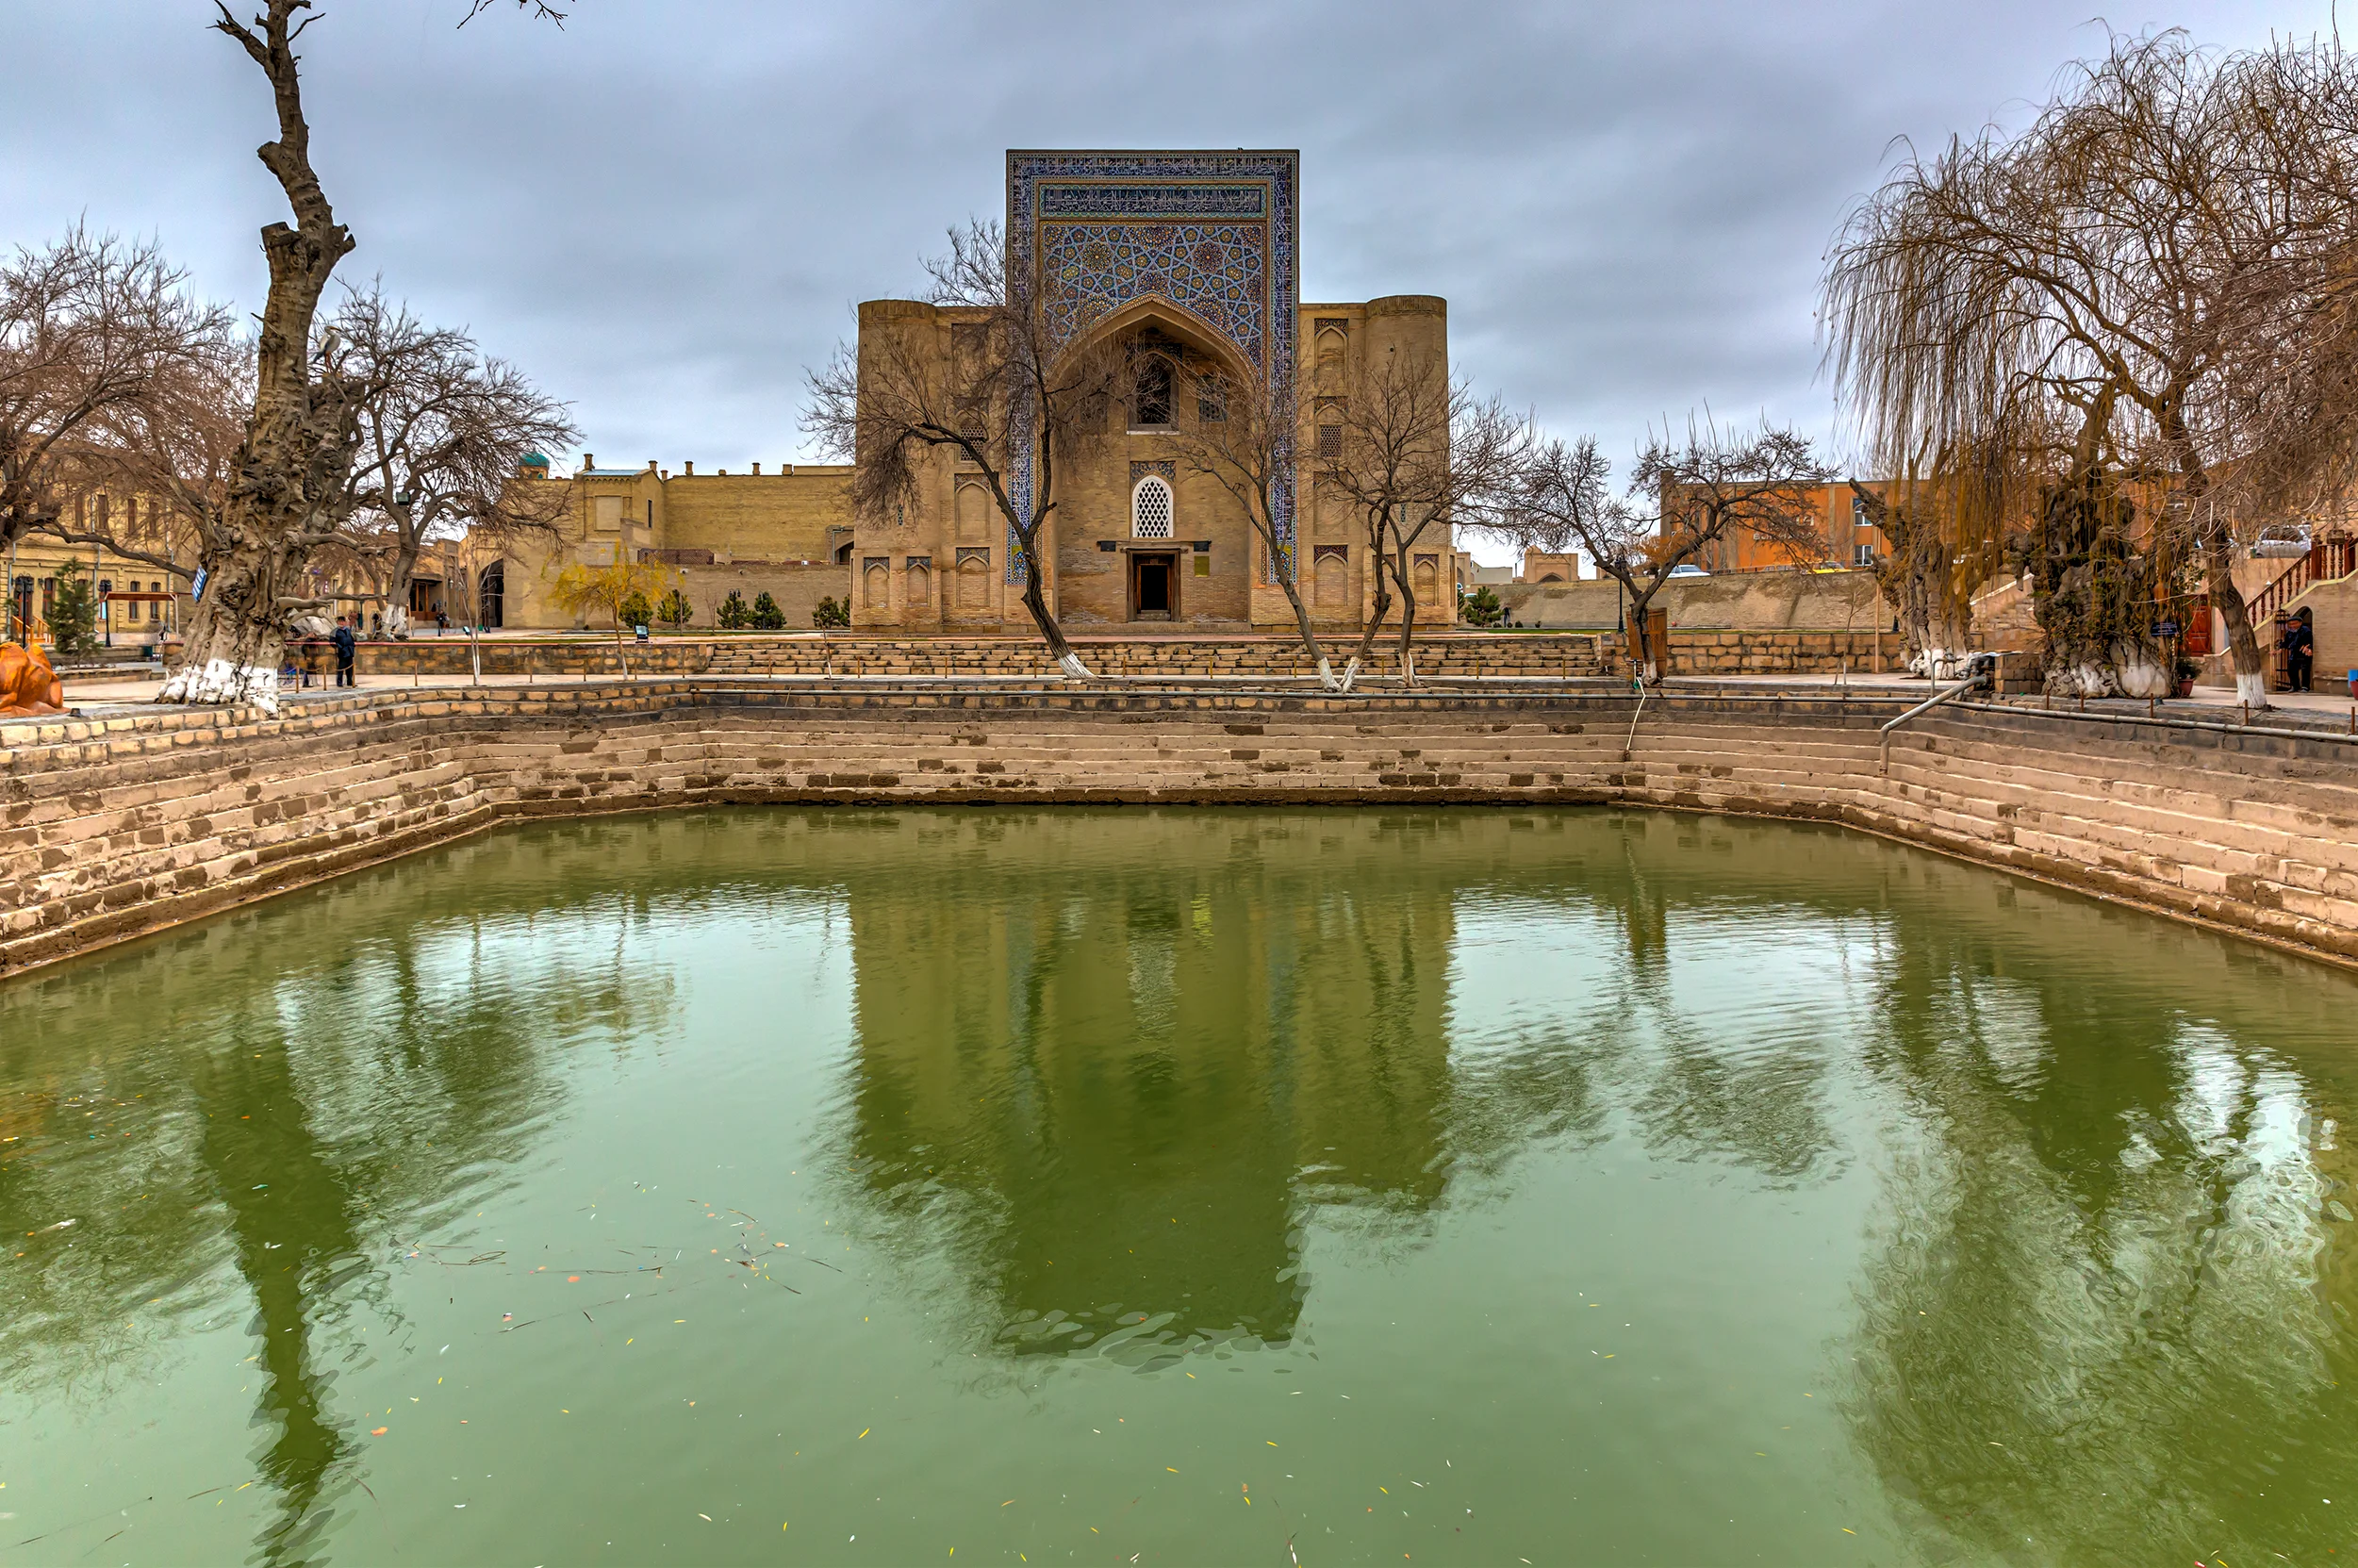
point(1846, 537)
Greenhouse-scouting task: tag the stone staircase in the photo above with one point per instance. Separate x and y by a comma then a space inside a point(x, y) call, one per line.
point(2003, 619)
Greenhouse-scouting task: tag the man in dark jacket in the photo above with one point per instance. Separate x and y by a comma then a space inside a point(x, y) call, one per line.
point(2300, 651)
point(344, 642)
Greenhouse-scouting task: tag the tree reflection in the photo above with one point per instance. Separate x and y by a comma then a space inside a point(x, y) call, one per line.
point(2101, 1311)
point(323, 1083)
point(1108, 1070)
point(1113, 1070)
point(291, 1224)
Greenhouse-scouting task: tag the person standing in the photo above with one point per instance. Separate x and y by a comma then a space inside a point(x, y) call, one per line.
point(2300, 651)
point(345, 643)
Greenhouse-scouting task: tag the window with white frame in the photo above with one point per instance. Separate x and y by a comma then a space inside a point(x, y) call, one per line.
point(1150, 509)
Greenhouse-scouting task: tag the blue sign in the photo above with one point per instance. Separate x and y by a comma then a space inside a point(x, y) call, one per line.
point(196, 589)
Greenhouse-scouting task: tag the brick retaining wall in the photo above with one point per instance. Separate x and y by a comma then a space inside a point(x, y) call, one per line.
point(114, 827)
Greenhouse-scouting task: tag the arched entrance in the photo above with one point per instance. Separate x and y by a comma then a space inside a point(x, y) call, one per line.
point(1153, 574)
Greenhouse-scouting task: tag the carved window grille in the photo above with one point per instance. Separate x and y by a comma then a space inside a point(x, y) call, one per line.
point(1150, 509)
point(1329, 441)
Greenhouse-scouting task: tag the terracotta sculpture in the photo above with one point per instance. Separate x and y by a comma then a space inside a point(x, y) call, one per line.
point(29, 688)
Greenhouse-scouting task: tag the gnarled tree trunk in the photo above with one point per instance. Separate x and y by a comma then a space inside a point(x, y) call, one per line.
point(299, 442)
point(2243, 644)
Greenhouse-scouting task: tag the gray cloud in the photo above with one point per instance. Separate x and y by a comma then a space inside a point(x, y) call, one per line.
point(667, 211)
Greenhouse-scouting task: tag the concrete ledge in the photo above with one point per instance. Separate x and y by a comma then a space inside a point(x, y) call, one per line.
point(114, 826)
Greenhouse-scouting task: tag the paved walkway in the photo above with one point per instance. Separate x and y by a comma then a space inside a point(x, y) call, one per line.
point(2311, 710)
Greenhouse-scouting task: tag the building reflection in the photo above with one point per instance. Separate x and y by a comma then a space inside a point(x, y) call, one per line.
point(1109, 1063)
point(1116, 1056)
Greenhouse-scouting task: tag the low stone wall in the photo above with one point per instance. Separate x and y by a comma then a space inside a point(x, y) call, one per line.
point(1449, 654)
point(795, 586)
point(448, 655)
point(120, 826)
point(1781, 653)
point(847, 653)
point(1738, 601)
point(1452, 653)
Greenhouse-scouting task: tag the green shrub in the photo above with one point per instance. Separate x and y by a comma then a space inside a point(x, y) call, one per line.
point(636, 610)
point(768, 616)
point(74, 617)
point(675, 611)
point(832, 612)
point(732, 615)
point(1481, 608)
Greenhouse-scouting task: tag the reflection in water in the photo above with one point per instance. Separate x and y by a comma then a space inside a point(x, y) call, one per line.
point(1113, 1075)
point(291, 1228)
point(308, 1106)
point(1114, 1082)
point(2112, 1302)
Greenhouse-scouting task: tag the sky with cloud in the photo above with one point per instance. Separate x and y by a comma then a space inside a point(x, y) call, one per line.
point(667, 212)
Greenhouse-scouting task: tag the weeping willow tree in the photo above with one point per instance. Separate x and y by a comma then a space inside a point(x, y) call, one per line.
point(1945, 543)
point(2140, 297)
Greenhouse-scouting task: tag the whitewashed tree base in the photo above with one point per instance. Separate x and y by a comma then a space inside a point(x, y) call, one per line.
point(220, 681)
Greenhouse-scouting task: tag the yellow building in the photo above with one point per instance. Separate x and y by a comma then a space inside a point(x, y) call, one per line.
point(140, 602)
point(1188, 256)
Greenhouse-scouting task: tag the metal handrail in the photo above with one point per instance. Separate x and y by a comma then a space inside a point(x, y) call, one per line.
point(2280, 590)
point(1979, 670)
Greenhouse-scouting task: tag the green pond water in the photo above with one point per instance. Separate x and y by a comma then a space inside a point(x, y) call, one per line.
point(1183, 1186)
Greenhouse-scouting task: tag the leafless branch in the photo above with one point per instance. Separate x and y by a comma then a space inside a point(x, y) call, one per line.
point(985, 371)
point(2142, 300)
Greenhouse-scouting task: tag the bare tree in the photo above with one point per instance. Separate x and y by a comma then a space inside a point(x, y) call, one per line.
point(1564, 503)
point(442, 428)
point(540, 9)
point(2145, 294)
point(293, 466)
point(1004, 383)
point(1684, 499)
point(94, 332)
point(168, 456)
point(296, 454)
point(1248, 450)
point(1415, 451)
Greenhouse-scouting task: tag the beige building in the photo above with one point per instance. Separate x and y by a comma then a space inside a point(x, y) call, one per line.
point(785, 532)
point(1187, 256)
point(1176, 257)
point(140, 602)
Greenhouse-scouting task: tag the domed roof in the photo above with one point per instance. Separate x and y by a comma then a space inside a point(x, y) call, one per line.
point(534, 460)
